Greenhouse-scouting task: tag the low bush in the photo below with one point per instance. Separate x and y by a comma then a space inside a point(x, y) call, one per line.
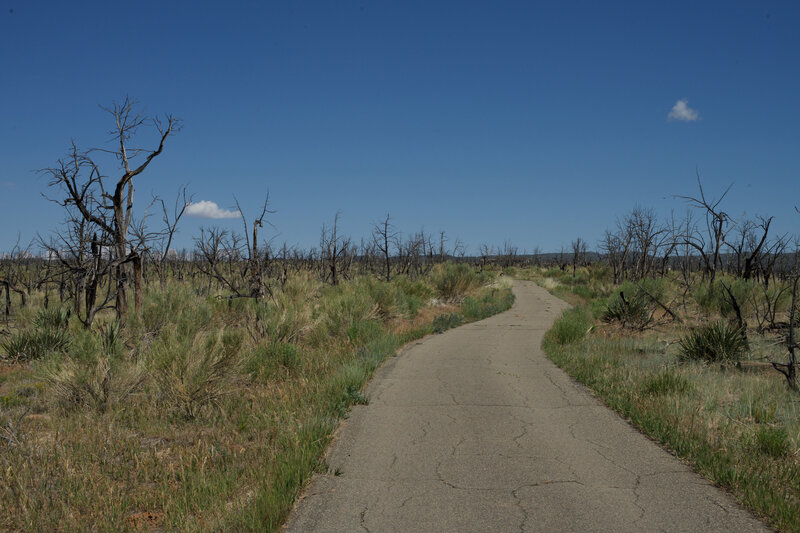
point(489, 304)
point(417, 288)
point(340, 307)
point(716, 342)
point(714, 299)
point(453, 281)
point(584, 291)
point(362, 331)
point(444, 322)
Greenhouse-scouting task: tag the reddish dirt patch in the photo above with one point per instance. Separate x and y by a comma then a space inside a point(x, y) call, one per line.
point(144, 520)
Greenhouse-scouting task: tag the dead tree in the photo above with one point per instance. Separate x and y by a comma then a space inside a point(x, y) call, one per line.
point(162, 254)
point(334, 249)
point(86, 259)
point(382, 235)
point(106, 203)
point(578, 252)
point(718, 225)
point(214, 249)
point(17, 276)
point(255, 262)
point(789, 370)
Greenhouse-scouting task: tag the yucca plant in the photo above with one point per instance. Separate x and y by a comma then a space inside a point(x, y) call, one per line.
point(716, 342)
point(633, 312)
point(30, 345)
point(55, 318)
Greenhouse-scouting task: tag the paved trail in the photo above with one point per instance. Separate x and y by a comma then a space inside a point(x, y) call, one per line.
point(476, 430)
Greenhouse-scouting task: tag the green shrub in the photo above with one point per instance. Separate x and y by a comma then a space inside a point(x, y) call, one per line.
point(266, 358)
point(584, 291)
point(489, 304)
point(444, 322)
point(340, 307)
point(598, 307)
point(453, 281)
point(657, 287)
point(411, 305)
point(288, 355)
point(772, 441)
point(176, 304)
point(599, 271)
point(385, 295)
point(362, 331)
point(717, 342)
point(570, 327)
point(418, 288)
point(713, 298)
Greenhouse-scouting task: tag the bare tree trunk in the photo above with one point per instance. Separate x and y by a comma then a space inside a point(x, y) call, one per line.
point(122, 294)
point(8, 301)
point(138, 276)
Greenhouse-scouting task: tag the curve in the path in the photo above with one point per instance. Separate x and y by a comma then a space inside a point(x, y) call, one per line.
point(476, 430)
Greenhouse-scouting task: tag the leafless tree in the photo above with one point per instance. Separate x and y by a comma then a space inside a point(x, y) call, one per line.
point(334, 249)
point(718, 225)
point(383, 234)
point(615, 246)
point(163, 245)
point(508, 254)
point(578, 253)
point(789, 370)
point(106, 203)
point(256, 262)
point(213, 248)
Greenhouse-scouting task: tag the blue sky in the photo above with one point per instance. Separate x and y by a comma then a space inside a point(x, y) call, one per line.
point(528, 121)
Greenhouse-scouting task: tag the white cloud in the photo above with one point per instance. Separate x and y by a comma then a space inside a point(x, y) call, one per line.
point(682, 111)
point(206, 209)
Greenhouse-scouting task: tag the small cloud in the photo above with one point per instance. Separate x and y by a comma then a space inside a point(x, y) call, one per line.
point(682, 111)
point(206, 209)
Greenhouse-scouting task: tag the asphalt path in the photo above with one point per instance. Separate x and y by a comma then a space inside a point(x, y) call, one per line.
point(476, 430)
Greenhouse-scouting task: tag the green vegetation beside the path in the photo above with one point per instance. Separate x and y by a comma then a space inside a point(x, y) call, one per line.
point(208, 413)
point(692, 382)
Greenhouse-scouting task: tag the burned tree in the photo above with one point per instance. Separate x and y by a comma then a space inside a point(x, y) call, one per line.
point(334, 250)
point(718, 225)
point(255, 261)
point(382, 235)
point(105, 203)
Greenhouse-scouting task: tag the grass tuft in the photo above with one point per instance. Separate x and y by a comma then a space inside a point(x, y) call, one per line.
point(570, 327)
point(716, 342)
